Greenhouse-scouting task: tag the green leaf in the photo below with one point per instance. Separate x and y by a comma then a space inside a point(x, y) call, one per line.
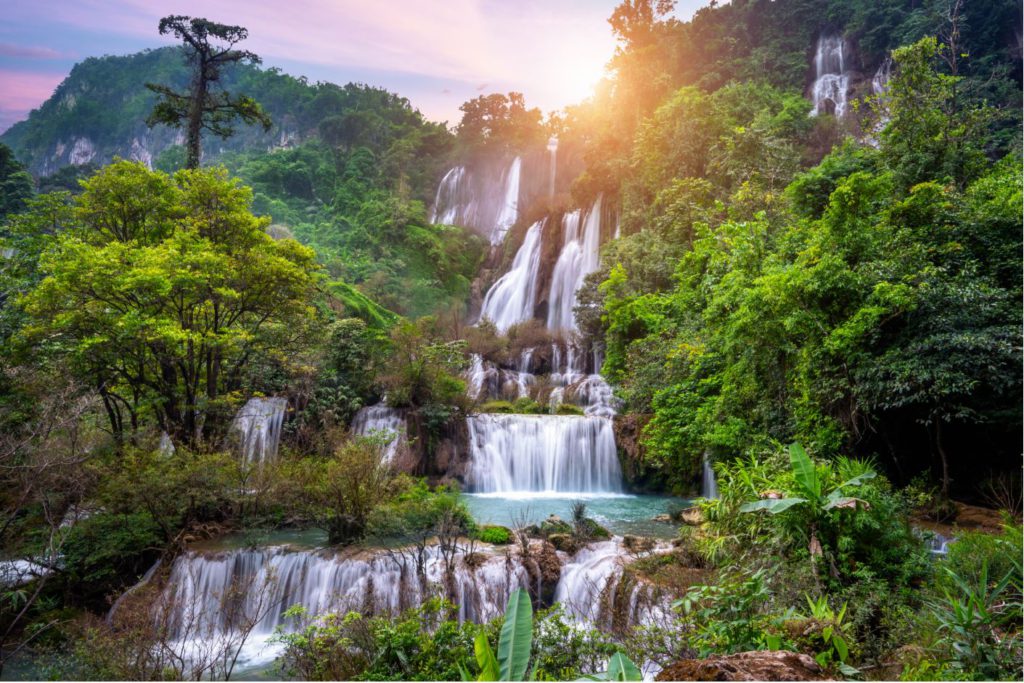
point(803, 470)
point(843, 502)
point(848, 670)
point(858, 480)
point(621, 668)
point(772, 505)
point(840, 645)
point(489, 670)
point(516, 636)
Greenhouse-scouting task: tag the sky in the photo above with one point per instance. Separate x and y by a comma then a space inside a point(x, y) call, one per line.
point(437, 53)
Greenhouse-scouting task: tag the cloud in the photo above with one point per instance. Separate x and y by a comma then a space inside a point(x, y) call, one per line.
point(28, 51)
point(23, 91)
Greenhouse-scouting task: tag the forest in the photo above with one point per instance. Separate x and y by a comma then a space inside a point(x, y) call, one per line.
point(714, 375)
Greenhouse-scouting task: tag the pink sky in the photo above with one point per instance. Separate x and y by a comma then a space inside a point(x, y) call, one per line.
point(438, 53)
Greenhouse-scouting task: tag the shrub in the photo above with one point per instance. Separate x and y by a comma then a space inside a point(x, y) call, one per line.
point(106, 552)
point(495, 535)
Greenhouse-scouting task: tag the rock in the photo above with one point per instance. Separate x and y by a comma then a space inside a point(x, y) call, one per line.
point(590, 529)
point(638, 544)
point(564, 542)
point(555, 525)
point(764, 665)
point(692, 517)
point(661, 518)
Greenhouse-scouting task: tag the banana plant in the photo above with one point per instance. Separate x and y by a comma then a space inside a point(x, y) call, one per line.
point(811, 495)
point(619, 668)
point(514, 643)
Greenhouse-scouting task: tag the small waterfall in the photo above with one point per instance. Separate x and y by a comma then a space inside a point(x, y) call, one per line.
point(709, 485)
point(592, 590)
point(511, 299)
point(384, 421)
point(880, 81)
point(447, 209)
point(580, 256)
point(258, 425)
point(553, 154)
point(508, 214)
point(832, 81)
point(524, 454)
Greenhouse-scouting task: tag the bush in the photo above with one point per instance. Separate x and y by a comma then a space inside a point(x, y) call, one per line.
point(495, 535)
point(106, 552)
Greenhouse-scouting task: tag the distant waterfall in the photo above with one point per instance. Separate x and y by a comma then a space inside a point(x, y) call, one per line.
point(258, 425)
point(447, 209)
point(832, 82)
point(482, 199)
point(580, 256)
point(384, 421)
point(522, 454)
point(511, 299)
point(508, 214)
point(553, 154)
point(709, 485)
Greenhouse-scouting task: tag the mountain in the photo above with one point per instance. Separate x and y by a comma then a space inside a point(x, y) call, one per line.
point(99, 112)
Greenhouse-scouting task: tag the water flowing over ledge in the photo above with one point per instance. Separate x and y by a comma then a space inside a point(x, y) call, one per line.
point(516, 454)
point(258, 425)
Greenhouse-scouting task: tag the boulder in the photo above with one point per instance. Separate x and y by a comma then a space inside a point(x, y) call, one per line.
point(763, 665)
point(564, 542)
point(692, 517)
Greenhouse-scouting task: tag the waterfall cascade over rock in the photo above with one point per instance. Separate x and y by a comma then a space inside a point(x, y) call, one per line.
point(534, 454)
point(511, 299)
point(709, 484)
point(383, 421)
point(258, 425)
point(580, 256)
point(832, 79)
point(487, 202)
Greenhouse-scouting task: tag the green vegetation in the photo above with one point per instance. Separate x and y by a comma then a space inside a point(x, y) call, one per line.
point(828, 310)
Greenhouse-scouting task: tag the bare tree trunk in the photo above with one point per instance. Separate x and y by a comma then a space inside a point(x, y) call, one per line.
point(195, 115)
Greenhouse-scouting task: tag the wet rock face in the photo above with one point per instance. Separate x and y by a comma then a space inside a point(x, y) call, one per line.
point(746, 666)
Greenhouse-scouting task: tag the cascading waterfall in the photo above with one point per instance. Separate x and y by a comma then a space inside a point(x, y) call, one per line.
point(511, 299)
point(509, 211)
point(384, 421)
point(211, 593)
point(479, 199)
point(543, 454)
point(258, 425)
point(832, 82)
point(447, 209)
point(591, 590)
point(580, 256)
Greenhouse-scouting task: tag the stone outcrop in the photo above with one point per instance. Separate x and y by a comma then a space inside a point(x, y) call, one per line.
point(765, 665)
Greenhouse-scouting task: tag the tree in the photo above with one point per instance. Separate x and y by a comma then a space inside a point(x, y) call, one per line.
point(204, 107)
point(15, 183)
point(162, 291)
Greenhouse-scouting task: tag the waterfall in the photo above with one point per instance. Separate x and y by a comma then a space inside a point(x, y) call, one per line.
point(564, 276)
point(524, 454)
point(384, 421)
point(508, 214)
point(580, 256)
point(591, 589)
point(211, 593)
point(831, 83)
point(880, 81)
point(258, 424)
point(709, 485)
point(510, 300)
point(447, 209)
point(553, 154)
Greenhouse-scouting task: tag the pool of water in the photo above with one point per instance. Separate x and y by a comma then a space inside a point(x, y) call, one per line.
point(619, 513)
